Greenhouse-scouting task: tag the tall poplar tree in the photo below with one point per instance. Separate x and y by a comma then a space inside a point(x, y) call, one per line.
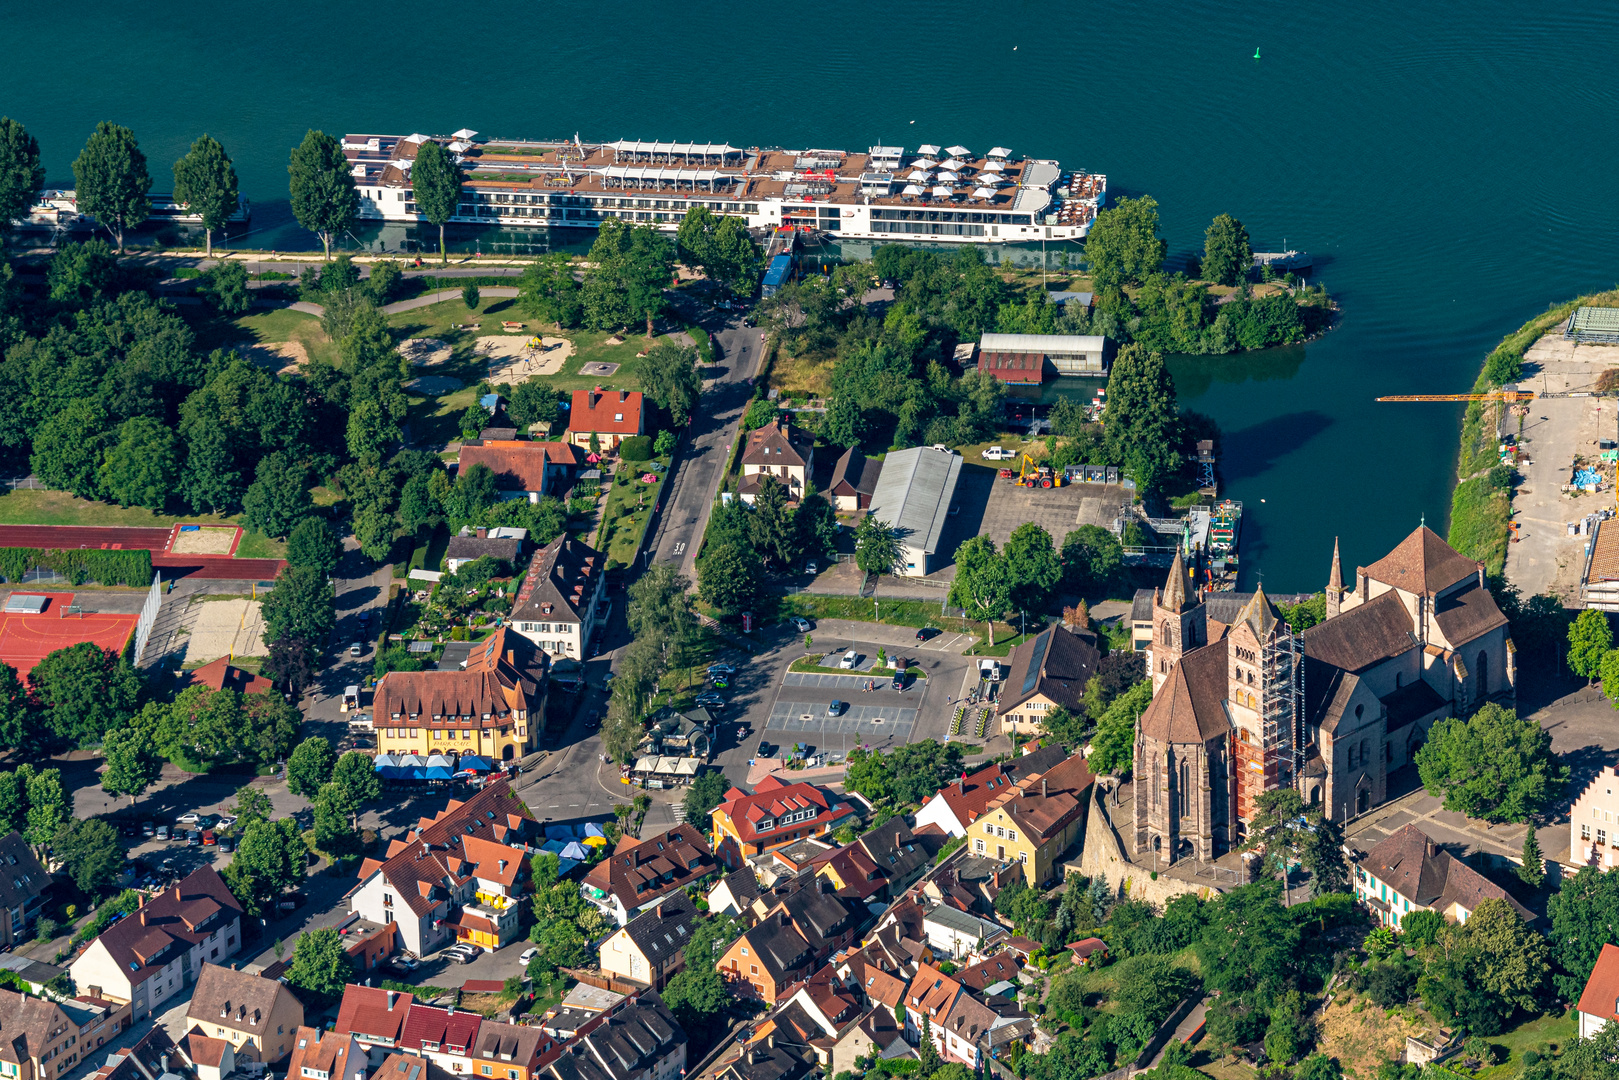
point(324, 199)
point(435, 181)
point(111, 180)
point(205, 184)
point(22, 177)
point(1227, 254)
point(1141, 425)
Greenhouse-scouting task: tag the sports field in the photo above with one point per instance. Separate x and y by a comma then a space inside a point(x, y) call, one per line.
point(25, 640)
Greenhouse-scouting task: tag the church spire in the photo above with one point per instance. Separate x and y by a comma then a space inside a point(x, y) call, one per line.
point(1335, 582)
point(1175, 588)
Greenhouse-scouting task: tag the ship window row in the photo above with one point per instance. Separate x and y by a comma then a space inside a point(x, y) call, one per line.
point(879, 214)
point(484, 197)
point(571, 214)
point(931, 228)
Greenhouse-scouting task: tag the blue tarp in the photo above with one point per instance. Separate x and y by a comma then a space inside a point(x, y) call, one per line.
point(565, 866)
point(574, 850)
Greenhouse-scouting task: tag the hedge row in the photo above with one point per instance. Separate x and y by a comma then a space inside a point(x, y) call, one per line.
point(79, 565)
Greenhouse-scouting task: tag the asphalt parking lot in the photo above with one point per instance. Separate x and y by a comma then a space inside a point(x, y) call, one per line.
point(992, 507)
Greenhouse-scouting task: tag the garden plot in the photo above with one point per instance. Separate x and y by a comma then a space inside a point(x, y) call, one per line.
point(511, 360)
point(224, 628)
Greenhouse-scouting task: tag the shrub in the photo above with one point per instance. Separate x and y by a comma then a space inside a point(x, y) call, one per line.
point(636, 448)
point(78, 565)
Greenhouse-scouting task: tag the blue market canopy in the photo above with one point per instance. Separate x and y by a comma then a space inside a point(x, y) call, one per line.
point(575, 850)
point(439, 772)
point(473, 761)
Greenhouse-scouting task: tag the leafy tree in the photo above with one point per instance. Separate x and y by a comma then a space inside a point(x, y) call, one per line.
point(1584, 914)
point(660, 609)
point(562, 945)
point(312, 544)
point(324, 198)
point(310, 766)
point(473, 420)
point(1249, 942)
point(320, 966)
point(383, 284)
point(1533, 870)
point(921, 768)
point(291, 664)
point(83, 273)
point(141, 468)
point(1590, 637)
point(85, 691)
point(548, 291)
point(19, 724)
point(1032, 565)
point(533, 401)
point(356, 774)
point(1091, 559)
point(1487, 968)
point(770, 526)
point(1278, 831)
point(1123, 246)
point(68, 449)
point(816, 524)
point(728, 577)
point(48, 807)
point(670, 378)
point(1491, 765)
point(252, 804)
point(269, 860)
point(279, 496)
point(22, 177)
point(334, 816)
point(705, 793)
point(983, 583)
point(845, 422)
point(132, 761)
point(469, 295)
point(1141, 425)
point(1227, 255)
point(869, 775)
point(205, 183)
point(14, 798)
point(1285, 1036)
point(1323, 854)
point(225, 286)
point(92, 854)
point(436, 181)
point(110, 179)
point(299, 607)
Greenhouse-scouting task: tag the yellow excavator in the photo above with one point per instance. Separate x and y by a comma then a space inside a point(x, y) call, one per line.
point(1034, 474)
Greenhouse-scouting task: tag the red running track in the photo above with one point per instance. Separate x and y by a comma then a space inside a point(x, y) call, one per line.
point(206, 567)
point(217, 567)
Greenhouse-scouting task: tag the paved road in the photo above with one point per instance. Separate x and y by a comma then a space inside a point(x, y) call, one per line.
point(692, 489)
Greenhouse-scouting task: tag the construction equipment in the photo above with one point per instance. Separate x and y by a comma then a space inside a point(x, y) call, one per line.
point(1034, 474)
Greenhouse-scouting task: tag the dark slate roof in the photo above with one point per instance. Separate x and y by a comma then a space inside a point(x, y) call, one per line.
point(762, 1062)
point(780, 948)
point(1326, 693)
point(632, 1039)
point(1188, 708)
point(1422, 563)
point(819, 915)
point(896, 852)
point(1467, 613)
point(661, 931)
point(169, 924)
point(744, 885)
point(21, 876)
point(1413, 866)
point(1057, 663)
point(1410, 703)
point(1362, 636)
point(856, 470)
point(1141, 606)
point(472, 547)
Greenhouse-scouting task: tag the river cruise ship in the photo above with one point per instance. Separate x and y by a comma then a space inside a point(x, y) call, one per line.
point(885, 193)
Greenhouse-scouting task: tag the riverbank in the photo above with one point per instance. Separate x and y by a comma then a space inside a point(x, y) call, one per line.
point(1482, 502)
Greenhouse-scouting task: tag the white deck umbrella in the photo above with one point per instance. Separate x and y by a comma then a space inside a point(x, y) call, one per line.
point(958, 151)
point(954, 163)
point(912, 189)
point(927, 149)
point(924, 163)
point(983, 193)
point(941, 192)
point(921, 176)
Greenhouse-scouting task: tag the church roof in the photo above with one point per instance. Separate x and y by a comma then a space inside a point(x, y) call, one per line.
point(1422, 563)
point(1467, 613)
point(1362, 636)
point(1187, 708)
point(1175, 587)
point(1260, 614)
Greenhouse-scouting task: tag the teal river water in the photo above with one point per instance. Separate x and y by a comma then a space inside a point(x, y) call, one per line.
point(1450, 166)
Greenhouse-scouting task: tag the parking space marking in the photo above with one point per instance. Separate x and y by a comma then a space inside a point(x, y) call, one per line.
point(798, 716)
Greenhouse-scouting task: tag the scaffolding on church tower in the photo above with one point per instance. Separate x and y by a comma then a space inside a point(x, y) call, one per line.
point(1274, 763)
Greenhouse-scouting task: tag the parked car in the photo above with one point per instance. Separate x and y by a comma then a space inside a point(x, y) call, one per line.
point(207, 821)
point(711, 701)
point(189, 819)
point(193, 839)
point(996, 453)
point(802, 625)
point(721, 669)
point(763, 751)
point(720, 682)
point(356, 649)
point(835, 708)
point(526, 956)
point(162, 832)
point(225, 822)
point(850, 659)
point(928, 633)
point(148, 828)
point(456, 956)
point(208, 838)
point(408, 963)
point(812, 568)
point(899, 680)
point(227, 843)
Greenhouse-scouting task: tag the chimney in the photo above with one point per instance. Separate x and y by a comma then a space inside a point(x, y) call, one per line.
point(483, 533)
point(623, 396)
point(1042, 787)
point(961, 785)
point(770, 1040)
point(163, 1062)
point(450, 1011)
point(391, 996)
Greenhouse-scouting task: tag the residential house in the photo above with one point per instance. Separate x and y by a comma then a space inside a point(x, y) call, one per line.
point(610, 415)
point(523, 470)
point(854, 478)
point(213, 1059)
point(913, 495)
point(1408, 872)
point(639, 873)
point(959, 1037)
point(821, 917)
point(221, 674)
point(1049, 671)
point(1593, 839)
point(769, 957)
point(816, 1015)
point(407, 1067)
point(446, 1037)
point(329, 1056)
point(1599, 1001)
point(767, 1060)
point(1036, 820)
point(45, 1038)
point(34, 975)
point(558, 605)
point(955, 933)
point(493, 707)
point(1002, 967)
point(636, 1040)
point(367, 944)
point(957, 805)
point(734, 893)
point(775, 815)
point(878, 978)
point(1141, 620)
point(930, 996)
point(376, 1019)
point(875, 1035)
point(508, 1051)
point(1088, 951)
point(151, 955)
point(652, 946)
point(452, 874)
point(778, 868)
point(22, 882)
point(257, 1016)
point(780, 449)
point(467, 547)
point(880, 864)
point(153, 1057)
point(970, 882)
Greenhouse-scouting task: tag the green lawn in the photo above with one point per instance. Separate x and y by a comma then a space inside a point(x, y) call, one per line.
point(624, 515)
point(1543, 1033)
point(273, 327)
point(29, 506)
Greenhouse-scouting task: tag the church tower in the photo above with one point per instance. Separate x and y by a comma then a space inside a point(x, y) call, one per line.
point(1335, 582)
point(1178, 624)
point(1264, 696)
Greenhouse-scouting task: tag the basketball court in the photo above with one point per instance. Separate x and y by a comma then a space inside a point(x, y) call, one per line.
point(31, 630)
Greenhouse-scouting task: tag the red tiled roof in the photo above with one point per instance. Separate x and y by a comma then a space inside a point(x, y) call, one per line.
point(771, 799)
point(1013, 367)
point(518, 465)
point(635, 872)
point(373, 1011)
point(427, 1024)
point(1601, 994)
point(171, 922)
point(222, 673)
point(614, 411)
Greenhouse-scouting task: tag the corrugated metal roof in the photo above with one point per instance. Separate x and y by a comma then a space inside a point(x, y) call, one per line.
point(1042, 343)
point(913, 494)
